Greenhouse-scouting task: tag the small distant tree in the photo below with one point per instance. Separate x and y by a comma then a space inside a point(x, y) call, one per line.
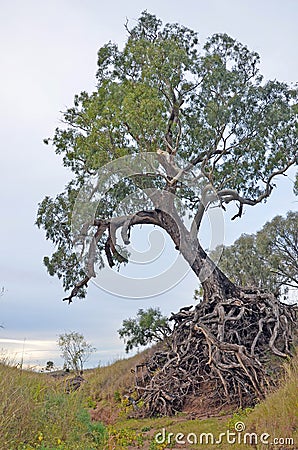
point(149, 326)
point(49, 366)
point(75, 350)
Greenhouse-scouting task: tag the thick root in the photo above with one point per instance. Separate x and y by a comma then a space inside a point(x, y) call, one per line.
point(221, 349)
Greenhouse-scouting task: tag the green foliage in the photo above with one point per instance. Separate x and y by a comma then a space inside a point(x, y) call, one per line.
point(35, 413)
point(210, 108)
point(75, 350)
point(278, 243)
point(55, 217)
point(49, 366)
point(117, 397)
point(90, 403)
point(239, 416)
point(267, 259)
point(124, 438)
point(149, 326)
point(95, 430)
point(296, 185)
point(198, 293)
point(155, 446)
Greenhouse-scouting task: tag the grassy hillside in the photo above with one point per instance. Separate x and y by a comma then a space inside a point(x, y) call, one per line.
point(36, 413)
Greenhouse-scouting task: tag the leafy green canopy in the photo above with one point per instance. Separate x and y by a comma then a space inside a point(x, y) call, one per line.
point(149, 326)
point(207, 109)
point(267, 259)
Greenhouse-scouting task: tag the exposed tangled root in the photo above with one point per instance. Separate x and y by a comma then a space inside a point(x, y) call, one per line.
point(220, 348)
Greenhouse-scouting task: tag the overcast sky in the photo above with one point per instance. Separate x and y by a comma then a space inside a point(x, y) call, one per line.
point(48, 54)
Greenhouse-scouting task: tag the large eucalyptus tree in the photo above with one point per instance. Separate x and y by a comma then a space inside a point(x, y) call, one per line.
point(201, 128)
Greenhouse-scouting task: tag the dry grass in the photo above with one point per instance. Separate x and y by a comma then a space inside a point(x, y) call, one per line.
point(19, 394)
point(278, 414)
point(117, 377)
point(35, 413)
point(106, 388)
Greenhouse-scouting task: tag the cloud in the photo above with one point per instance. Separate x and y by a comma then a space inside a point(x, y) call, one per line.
point(48, 54)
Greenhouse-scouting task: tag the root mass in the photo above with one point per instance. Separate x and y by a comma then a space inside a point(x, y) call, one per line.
point(222, 350)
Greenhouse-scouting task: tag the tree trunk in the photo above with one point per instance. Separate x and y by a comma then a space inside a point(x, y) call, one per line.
point(213, 280)
point(221, 350)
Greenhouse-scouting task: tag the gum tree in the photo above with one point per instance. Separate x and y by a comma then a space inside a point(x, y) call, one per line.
point(267, 259)
point(220, 135)
point(76, 351)
point(147, 327)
